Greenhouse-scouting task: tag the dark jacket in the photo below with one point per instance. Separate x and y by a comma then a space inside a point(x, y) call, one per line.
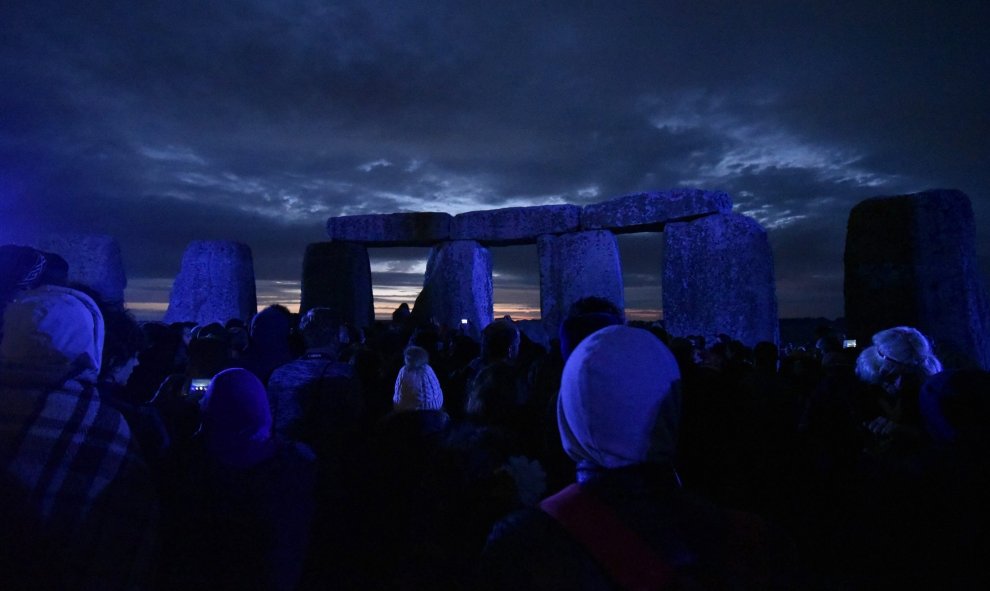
point(241, 528)
point(707, 547)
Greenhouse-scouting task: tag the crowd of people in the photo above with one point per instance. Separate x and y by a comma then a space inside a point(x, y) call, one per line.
point(299, 452)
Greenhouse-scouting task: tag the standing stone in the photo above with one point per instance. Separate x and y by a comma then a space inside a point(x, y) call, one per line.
point(574, 266)
point(458, 284)
point(337, 275)
point(94, 261)
point(215, 284)
point(718, 279)
point(911, 260)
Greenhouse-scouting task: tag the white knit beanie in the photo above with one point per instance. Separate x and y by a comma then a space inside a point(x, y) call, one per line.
point(417, 387)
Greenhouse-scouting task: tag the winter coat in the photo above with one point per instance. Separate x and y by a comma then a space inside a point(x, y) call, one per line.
point(87, 510)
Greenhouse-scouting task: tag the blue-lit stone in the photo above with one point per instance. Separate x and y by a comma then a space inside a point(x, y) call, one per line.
point(641, 212)
point(911, 260)
point(718, 278)
point(337, 275)
point(94, 261)
point(215, 284)
point(392, 229)
point(515, 225)
point(457, 285)
point(574, 266)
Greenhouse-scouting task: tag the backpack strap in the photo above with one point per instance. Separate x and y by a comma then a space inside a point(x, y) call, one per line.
point(621, 551)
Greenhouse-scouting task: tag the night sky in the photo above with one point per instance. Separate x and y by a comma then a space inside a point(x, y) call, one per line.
point(165, 122)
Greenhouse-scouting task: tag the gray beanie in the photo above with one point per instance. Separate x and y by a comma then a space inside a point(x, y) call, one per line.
point(417, 387)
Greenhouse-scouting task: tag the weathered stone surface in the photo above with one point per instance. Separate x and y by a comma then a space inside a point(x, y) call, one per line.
point(642, 212)
point(337, 275)
point(515, 225)
point(458, 284)
point(911, 260)
point(94, 261)
point(392, 229)
point(718, 279)
point(573, 266)
point(215, 284)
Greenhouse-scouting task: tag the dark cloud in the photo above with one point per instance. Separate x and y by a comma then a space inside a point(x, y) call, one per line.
point(167, 122)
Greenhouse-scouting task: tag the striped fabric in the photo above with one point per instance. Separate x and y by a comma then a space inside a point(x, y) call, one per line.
point(74, 461)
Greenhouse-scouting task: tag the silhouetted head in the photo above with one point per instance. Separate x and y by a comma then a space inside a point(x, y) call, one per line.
point(23, 268)
point(955, 406)
point(584, 317)
point(320, 328)
point(765, 356)
point(209, 350)
point(494, 394)
point(237, 420)
point(499, 341)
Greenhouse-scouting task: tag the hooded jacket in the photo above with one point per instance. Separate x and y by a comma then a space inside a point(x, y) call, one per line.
point(66, 457)
point(618, 410)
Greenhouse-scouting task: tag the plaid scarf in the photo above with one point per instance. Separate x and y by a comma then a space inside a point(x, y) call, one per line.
point(64, 447)
point(74, 461)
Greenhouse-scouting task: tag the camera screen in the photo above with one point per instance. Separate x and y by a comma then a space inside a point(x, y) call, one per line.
point(199, 386)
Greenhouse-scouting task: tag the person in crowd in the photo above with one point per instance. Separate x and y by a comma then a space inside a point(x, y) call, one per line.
point(898, 362)
point(368, 363)
point(499, 342)
point(888, 484)
point(122, 345)
point(417, 387)
point(316, 399)
point(240, 517)
point(240, 338)
point(179, 397)
point(75, 493)
point(485, 469)
point(493, 399)
point(761, 430)
point(584, 317)
point(162, 354)
point(270, 344)
point(23, 268)
point(403, 447)
point(626, 523)
point(951, 539)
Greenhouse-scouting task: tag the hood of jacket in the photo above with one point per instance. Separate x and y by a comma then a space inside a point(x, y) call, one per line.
point(619, 401)
point(51, 334)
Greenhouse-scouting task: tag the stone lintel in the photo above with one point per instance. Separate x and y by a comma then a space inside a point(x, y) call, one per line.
point(643, 212)
point(515, 225)
point(391, 229)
